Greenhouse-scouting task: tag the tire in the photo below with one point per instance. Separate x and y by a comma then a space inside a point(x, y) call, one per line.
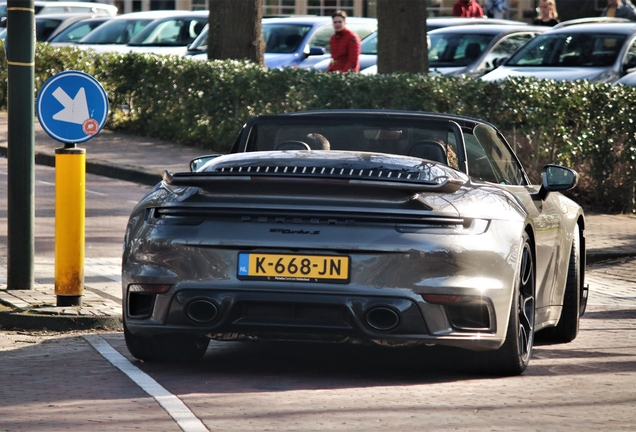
point(170, 347)
point(513, 357)
point(568, 326)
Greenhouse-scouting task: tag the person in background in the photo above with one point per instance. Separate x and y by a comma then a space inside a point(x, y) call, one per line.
point(344, 45)
point(619, 9)
point(467, 9)
point(496, 9)
point(548, 15)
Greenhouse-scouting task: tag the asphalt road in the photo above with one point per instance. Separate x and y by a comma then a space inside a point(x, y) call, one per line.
point(61, 382)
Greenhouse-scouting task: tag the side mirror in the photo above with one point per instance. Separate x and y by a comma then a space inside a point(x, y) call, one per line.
point(555, 178)
point(498, 62)
point(316, 51)
point(631, 64)
point(196, 164)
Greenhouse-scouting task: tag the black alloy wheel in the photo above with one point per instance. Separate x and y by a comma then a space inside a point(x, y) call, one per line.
point(513, 357)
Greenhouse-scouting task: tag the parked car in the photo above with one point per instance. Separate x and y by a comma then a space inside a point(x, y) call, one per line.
point(294, 41)
point(369, 48)
point(57, 7)
point(472, 50)
point(373, 226)
point(77, 31)
point(594, 52)
point(50, 25)
point(119, 30)
point(169, 35)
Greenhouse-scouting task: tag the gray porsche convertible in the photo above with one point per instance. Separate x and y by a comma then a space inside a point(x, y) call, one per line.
point(385, 227)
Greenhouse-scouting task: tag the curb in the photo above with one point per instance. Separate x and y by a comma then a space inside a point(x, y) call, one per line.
point(596, 257)
point(30, 321)
point(133, 174)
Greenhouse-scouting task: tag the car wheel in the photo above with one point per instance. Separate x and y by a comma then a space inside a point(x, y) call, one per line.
point(166, 347)
point(568, 327)
point(513, 357)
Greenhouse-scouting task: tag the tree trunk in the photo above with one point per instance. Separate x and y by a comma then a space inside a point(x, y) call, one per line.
point(234, 30)
point(402, 43)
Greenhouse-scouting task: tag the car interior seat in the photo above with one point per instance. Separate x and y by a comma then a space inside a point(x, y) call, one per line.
point(431, 150)
point(473, 51)
point(293, 145)
point(317, 141)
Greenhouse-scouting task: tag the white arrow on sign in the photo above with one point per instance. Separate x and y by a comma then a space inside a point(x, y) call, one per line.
point(75, 110)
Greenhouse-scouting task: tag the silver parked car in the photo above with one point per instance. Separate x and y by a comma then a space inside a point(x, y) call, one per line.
point(595, 52)
point(385, 227)
point(472, 50)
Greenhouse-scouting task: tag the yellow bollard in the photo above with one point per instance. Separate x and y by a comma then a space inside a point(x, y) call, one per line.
point(70, 213)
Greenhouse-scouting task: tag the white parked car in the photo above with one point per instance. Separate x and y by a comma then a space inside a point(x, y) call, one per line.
point(594, 52)
point(169, 35)
point(117, 32)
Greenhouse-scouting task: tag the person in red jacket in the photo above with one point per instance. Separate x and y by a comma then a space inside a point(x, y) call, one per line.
point(344, 46)
point(467, 9)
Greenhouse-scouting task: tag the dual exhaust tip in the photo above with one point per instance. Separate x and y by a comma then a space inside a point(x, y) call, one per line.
point(202, 311)
point(380, 318)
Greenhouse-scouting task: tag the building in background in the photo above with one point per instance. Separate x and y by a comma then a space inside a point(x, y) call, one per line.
point(521, 10)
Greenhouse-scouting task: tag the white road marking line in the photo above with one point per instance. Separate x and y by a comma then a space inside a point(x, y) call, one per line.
point(45, 182)
point(96, 193)
point(186, 420)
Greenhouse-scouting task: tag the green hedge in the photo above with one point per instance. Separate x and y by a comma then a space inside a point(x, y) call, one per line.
point(589, 127)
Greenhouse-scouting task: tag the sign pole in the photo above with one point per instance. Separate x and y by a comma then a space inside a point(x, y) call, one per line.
point(20, 49)
point(72, 107)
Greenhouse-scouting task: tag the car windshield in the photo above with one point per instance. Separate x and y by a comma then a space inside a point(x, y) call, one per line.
point(456, 49)
point(77, 31)
point(201, 42)
point(44, 27)
point(570, 49)
point(369, 45)
point(283, 38)
point(170, 32)
point(118, 31)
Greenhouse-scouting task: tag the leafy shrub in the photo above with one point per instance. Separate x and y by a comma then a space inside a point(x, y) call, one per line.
point(589, 127)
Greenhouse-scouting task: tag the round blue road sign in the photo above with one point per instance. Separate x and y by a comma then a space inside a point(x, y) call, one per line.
point(72, 107)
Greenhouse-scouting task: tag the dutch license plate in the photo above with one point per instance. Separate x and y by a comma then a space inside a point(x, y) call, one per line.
point(293, 268)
